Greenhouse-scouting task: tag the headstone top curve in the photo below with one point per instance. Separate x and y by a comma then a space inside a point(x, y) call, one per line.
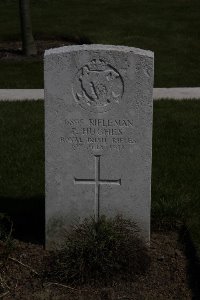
point(96, 47)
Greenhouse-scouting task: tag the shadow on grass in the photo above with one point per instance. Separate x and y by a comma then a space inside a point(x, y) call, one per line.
point(193, 263)
point(42, 42)
point(72, 39)
point(13, 50)
point(28, 217)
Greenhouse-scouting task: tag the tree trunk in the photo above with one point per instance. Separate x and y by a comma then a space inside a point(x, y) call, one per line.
point(28, 43)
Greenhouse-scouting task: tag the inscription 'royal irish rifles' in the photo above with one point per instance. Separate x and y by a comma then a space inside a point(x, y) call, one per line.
point(98, 86)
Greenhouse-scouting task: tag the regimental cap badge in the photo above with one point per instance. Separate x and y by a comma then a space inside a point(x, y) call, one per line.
point(97, 86)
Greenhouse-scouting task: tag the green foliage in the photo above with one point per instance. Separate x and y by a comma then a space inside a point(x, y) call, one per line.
point(108, 249)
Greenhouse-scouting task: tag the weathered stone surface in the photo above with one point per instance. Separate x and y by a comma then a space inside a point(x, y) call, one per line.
point(98, 135)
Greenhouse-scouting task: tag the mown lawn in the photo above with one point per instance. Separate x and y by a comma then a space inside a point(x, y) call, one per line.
point(176, 163)
point(169, 28)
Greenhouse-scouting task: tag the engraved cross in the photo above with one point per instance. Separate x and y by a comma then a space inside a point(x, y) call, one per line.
point(97, 181)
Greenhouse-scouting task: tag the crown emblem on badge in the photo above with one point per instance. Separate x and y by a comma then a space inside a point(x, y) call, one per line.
point(97, 65)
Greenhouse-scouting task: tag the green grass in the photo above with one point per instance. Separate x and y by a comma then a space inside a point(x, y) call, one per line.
point(21, 74)
point(169, 28)
point(22, 167)
point(176, 160)
point(22, 149)
point(176, 163)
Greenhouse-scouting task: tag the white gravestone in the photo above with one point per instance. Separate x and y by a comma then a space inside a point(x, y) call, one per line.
point(98, 136)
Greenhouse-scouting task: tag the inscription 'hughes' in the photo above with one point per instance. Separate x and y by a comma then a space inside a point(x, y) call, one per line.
point(101, 131)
